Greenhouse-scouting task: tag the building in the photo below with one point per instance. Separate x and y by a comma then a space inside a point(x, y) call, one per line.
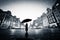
point(1, 16)
point(41, 22)
point(37, 23)
point(45, 20)
point(4, 15)
point(56, 12)
point(51, 18)
point(14, 22)
point(8, 21)
point(56, 5)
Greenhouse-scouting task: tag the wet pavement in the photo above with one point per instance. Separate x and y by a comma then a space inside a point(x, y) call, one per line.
point(35, 34)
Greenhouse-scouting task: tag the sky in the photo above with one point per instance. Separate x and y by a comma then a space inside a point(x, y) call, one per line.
point(26, 8)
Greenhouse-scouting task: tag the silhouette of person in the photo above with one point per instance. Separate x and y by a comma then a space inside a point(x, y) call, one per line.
point(26, 29)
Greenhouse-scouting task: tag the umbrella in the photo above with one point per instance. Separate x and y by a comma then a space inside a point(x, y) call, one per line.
point(26, 20)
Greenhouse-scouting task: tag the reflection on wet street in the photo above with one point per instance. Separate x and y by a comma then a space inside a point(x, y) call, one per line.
point(36, 34)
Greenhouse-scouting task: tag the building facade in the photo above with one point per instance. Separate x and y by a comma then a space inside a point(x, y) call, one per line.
point(14, 22)
point(56, 12)
point(45, 20)
point(38, 23)
point(4, 17)
point(41, 22)
point(8, 21)
point(51, 17)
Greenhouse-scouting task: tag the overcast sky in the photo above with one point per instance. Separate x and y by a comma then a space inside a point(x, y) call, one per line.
point(26, 8)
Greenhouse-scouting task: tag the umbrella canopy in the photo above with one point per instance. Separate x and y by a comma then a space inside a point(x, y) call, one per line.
point(26, 20)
